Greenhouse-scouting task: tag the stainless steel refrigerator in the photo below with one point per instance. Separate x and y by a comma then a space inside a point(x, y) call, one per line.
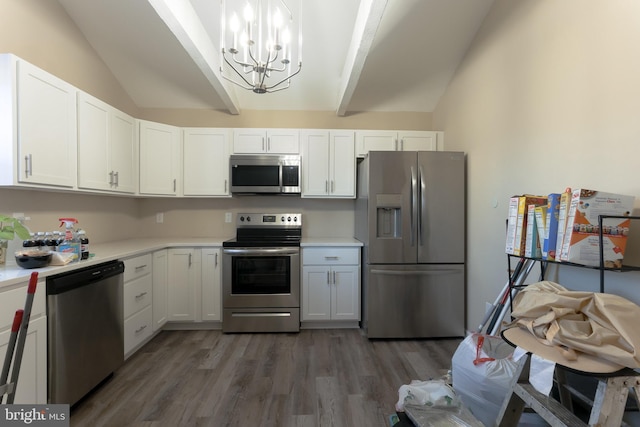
point(410, 215)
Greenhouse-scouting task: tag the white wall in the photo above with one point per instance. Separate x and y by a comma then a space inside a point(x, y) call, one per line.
point(547, 97)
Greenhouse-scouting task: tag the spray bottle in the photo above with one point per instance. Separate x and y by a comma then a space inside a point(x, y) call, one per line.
point(71, 243)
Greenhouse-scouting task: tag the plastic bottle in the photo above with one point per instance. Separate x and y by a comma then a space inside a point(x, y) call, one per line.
point(30, 242)
point(48, 242)
point(84, 244)
point(71, 243)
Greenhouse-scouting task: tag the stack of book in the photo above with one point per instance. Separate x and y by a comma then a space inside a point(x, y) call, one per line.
point(564, 226)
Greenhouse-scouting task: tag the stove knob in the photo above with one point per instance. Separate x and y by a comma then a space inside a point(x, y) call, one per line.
point(241, 219)
point(295, 219)
point(248, 219)
point(289, 219)
point(282, 219)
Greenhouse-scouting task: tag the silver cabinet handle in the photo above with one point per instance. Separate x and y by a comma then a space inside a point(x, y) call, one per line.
point(328, 277)
point(111, 178)
point(140, 329)
point(27, 166)
point(401, 144)
point(140, 295)
point(334, 258)
point(264, 147)
point(333, 186)
point(189, 260)
point(268, 143)
point(140, 267)
point(326, 187)
point(334, 277)
point(225, 185)
point(117, 180)
point(216, 260)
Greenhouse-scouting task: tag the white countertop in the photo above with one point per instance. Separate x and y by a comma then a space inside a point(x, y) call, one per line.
point(11, 274)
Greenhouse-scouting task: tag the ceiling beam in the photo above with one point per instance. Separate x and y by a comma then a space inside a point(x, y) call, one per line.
point(182, 20)
point(364, 31)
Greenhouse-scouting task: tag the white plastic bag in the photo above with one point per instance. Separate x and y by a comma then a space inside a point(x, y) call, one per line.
point(482, 369)
point(429, 393)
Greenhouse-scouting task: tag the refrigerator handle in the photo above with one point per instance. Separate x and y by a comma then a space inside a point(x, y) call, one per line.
point(422, 207)
point(413, 206)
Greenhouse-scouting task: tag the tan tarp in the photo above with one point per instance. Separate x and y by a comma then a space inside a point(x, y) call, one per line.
point(573, 322)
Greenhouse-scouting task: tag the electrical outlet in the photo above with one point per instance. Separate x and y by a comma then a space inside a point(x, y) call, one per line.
point(227, 217)
point(159, 217)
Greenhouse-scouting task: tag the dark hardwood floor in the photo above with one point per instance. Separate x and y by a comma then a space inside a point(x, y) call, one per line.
point(319, 378)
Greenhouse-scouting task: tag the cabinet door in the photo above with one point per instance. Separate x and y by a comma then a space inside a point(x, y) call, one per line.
point(249, 141)
point(159, 158)
point(160, 280)
point(32, 378)
point(93, 144)
point(345, 295)
point(315, 161)
point(47, 134)
point(375, 140)
point(183, 273)
point(420, 141)
point(211, 280)
point(342, 165)
point(316, 293)
point(283, 141)
point(122, 142)
point(206, 162)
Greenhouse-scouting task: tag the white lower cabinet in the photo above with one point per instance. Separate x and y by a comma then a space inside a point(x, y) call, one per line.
point(331, 284)
point(211, 284)
point(138, 321)
point(32, 378)
point(194, 293)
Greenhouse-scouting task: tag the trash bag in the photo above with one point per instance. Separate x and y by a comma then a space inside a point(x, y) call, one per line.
point(429, 393)
point(482, 370)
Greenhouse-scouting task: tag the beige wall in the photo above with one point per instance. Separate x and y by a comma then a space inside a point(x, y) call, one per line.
point(547, 97)
point(290, 119)
point(42, 33)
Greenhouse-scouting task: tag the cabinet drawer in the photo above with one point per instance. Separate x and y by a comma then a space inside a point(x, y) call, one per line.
point(137, 267)
point(330, 256)
point(137, 295)
point(137, 328)
point(14, 299)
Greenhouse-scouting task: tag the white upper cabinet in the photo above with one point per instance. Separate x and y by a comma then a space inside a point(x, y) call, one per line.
point(206, 162)
point(269, 141)
point(420, 141)
point(329, 163)
point(391, 140)
point(160, 159)
point(106, 147)
point(38, 135)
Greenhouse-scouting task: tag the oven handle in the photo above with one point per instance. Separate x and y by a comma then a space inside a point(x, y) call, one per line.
point(261, 251)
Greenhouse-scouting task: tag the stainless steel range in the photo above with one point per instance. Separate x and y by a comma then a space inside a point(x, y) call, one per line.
point(261, 274)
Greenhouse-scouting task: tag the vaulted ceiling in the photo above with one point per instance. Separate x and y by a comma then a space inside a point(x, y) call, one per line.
point(359, 55)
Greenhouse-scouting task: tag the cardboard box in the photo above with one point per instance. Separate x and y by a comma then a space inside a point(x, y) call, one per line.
point(581, 243)
point(551, 227)
point(521, 224)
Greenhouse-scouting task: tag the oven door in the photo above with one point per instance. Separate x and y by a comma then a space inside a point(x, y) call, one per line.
point(261, 277)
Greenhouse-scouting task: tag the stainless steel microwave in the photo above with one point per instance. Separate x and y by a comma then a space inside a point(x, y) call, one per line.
point(264, 174)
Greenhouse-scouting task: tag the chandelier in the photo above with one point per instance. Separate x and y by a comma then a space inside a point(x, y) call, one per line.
point(257, 49)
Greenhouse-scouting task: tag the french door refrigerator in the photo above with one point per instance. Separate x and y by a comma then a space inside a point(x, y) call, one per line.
point(410, 215)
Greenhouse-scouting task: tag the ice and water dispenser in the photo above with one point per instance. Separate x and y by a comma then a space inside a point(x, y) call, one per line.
point(389, 216)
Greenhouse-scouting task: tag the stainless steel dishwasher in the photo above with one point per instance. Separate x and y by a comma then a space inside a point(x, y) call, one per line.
point(85, 329)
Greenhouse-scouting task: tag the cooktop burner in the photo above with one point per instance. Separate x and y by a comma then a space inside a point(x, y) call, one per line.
point(254, 230)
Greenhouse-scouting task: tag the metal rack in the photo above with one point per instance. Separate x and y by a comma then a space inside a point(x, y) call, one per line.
point(601, 267)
